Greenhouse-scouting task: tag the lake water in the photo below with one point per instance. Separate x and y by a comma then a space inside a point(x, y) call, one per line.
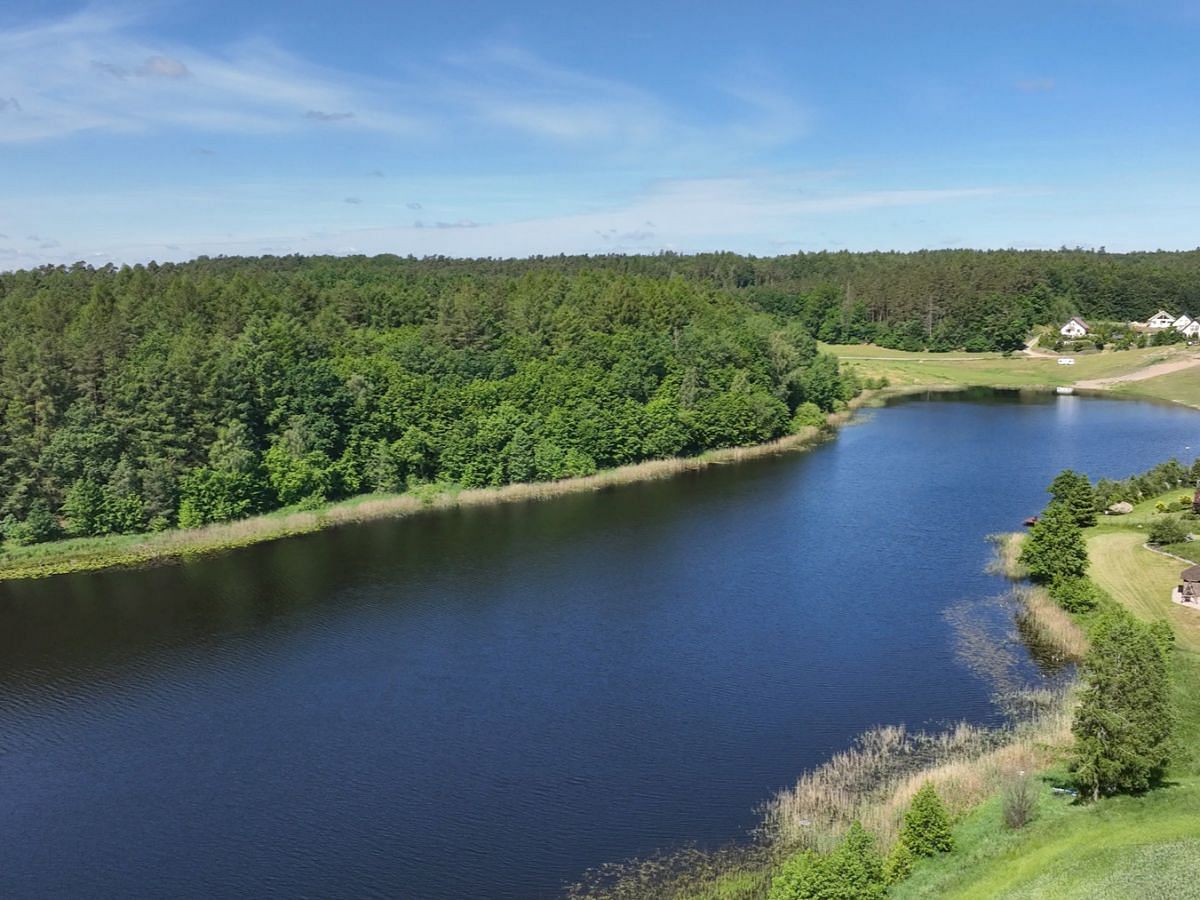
point(484, 703)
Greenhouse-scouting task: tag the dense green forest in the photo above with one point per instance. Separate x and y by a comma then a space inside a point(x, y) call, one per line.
point(157, 396)
point(153, 396)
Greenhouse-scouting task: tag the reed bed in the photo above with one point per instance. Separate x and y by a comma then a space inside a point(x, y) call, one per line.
point(1048, 626)
point(875, 780)
point(1007, 558)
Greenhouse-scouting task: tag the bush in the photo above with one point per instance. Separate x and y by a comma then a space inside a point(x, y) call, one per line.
point(38, 527)
point(899, 863)
point(853, 871)
point(1020, 801)
point(926, 828)
point(808, 415)
point(1168, 530)
point(1075, 594)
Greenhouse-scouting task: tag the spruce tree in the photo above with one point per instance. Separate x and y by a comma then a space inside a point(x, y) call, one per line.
point(1124, 720)
point(1075, 493)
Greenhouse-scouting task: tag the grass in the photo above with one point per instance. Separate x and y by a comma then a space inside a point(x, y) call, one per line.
point(1124, 847)
point(89, 554)
point(1047, 625)
point(1180, 387)
point(902, 368)
point(1007, 558)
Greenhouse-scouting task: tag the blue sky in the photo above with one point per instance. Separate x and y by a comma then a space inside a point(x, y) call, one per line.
point(165, 130)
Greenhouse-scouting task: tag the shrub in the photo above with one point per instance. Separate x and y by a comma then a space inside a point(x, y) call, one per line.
point(899, 863)
point(1020, 801)
point(1168, 530)
point(1075, 594)
point(801, 877)
point(808, 415)
point(856, 867)
point(926, 828)
point(852, 871)
point(38, 527)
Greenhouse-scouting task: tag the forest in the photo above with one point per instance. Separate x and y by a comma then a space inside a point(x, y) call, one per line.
point(149, 397)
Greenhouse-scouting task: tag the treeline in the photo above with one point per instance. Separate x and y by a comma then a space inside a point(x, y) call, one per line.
point(936, 300)
point(149, 397)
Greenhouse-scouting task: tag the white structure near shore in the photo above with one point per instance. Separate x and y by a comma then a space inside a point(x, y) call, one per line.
point(1075, 328)
point(1161, 321)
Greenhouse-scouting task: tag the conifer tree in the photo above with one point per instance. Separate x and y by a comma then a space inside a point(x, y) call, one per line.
point(926, 829)
point(1124, 721)
point(1073, 491)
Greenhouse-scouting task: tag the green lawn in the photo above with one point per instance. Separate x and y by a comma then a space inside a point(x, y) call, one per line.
point(990, 369)
point(1182, 387)
point(1126, 847)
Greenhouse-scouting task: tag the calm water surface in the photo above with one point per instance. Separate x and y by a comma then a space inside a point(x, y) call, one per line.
point(487, 702)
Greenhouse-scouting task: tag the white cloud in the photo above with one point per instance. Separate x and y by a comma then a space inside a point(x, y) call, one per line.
point(94, 71)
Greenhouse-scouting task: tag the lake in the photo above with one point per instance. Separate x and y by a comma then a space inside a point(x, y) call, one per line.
point(487, 702)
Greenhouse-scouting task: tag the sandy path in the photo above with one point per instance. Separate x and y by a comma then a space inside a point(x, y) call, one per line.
point(1162, 368)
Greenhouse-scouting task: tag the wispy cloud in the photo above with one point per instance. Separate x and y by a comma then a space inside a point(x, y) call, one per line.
point(94, 71)
point(1035, 85)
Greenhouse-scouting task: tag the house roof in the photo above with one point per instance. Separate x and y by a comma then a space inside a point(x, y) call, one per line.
point(1079, 320)
point(1163, 312)
point(1192, 574)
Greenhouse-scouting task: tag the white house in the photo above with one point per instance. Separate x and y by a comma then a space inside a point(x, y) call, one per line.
point(1182, 322)
point(1192, 330)
point(1075, 328)
point(1161, 320)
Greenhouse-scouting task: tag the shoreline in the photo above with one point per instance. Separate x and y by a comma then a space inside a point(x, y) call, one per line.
point(141, 550)
point(174, 546)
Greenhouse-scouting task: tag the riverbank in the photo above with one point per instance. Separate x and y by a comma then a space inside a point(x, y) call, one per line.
point(1121, 847)
point(134, 550)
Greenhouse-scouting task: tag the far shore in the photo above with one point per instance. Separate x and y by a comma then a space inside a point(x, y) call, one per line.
point(175, 545)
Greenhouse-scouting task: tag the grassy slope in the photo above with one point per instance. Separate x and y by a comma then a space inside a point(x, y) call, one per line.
point(990, 369)
point(1126, 847)
point(1182, 387)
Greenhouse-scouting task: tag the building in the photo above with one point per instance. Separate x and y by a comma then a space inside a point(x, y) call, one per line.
point(1075, 328)
point(1182, 322)
point(1161, 321)
point(1192, 330)
point(1189, 591)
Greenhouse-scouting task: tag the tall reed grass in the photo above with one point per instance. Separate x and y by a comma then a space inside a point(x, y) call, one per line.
point(1006, 560)
point(1047, 626)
